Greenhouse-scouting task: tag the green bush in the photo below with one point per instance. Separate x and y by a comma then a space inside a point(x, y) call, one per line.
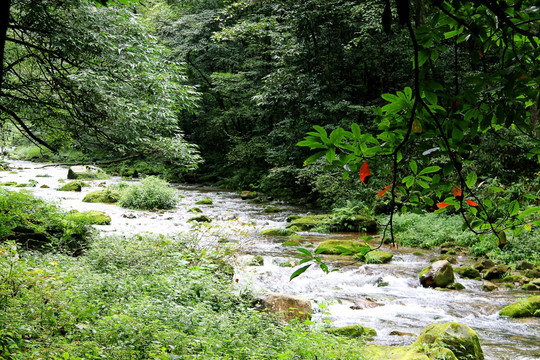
point(151, 193)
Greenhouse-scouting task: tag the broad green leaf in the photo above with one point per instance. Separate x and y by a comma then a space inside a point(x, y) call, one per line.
point(314, 157)
point(429, 170)
point(530, 211)
point(471, 179)
point(413, 166)
point(299, 271)
point(422, 184)
point(304, 252)
point(331, 155)
point(514, 208)
point(356, 131)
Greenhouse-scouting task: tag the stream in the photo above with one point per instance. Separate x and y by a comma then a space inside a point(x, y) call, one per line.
point(387, 297)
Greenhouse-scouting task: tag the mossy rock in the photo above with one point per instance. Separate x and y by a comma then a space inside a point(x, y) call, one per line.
point(206, 201)
point(293, 217)
point(460, 339)
point(291, 242)
point(378, 257)
point(108, 196)
point(338, 247)
point(129, 173)
point(438, 275)
point(353, 331)
point(73, 186)
point(418, 253)
point(523, 308)
point(200, 219)
point(483, 264)
point(530, 287)
point(467, 272)
point(245, 195)
point(92, 217)
point(195, 210)
point(9, 183)
point(495, 272)
point(277, 232)
point(456, 286)
point(352, 223)
point(386, 352)
point(271, 209)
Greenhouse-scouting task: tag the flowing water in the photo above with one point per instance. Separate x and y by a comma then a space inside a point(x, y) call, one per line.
point(385, 297)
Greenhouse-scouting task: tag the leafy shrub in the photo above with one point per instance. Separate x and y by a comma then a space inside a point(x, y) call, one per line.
point(151, 193)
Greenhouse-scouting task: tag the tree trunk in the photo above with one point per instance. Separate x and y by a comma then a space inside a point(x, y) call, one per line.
point(4, 21)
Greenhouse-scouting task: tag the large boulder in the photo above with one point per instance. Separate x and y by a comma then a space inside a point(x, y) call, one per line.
point(495, 272)
point(337, 247)
point(72, 186)
point(524, 308)
point(287, 307)
point(438, 274)
point(86, 172)
point(459, 338)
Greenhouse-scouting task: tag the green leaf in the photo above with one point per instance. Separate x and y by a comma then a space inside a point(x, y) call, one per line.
point(530, 211)
point(304, 252)
point(514, 208)
point(422, 184)
point(331, 155)
point(356, 131)
point(471, 179)
point(429, 170)
point(399, 156)
point(413, 166)
point(408, 180)
point(299, 271)
point(314, 157)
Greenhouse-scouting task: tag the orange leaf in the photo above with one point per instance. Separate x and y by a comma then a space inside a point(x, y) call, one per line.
point(456, 190)
point(480, 53)
point(455, 104)
point(470, 202)
point(522, 76)
point(442, 205)
point(382, 192)
point(365, 174)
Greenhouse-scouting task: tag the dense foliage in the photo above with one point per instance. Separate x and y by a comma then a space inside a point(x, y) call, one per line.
point(142, 298)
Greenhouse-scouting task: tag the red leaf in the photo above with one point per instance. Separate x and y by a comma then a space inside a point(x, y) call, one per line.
point(442, 205)
point(472, 203)
point(455, 104)
point(365, 174)
point(480, 53)
point(522, 76)
point(382, 192)
point(456, 190)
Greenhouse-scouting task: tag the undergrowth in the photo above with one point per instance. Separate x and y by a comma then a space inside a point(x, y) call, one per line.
point(429, 230)
point(142, 298)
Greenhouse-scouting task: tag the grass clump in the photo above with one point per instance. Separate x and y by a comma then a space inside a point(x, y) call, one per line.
point(150, 194)
point(143, 298)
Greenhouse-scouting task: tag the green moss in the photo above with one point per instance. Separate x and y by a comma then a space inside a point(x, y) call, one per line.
point(337, 247)
point(291, 242)
point(386, 352)
point(378, 257)
point(103, 196)
point(271, 209)
point(9, 183)
point(92, 217)
point(333, 223)
point(353, 331)
point(467, 272)
point(459, 338)
point(73, 186)
point(418, 253)
point(206, 201)
point(200, 218)
point(195, 210)
point(277, 232)
point(523, 308)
